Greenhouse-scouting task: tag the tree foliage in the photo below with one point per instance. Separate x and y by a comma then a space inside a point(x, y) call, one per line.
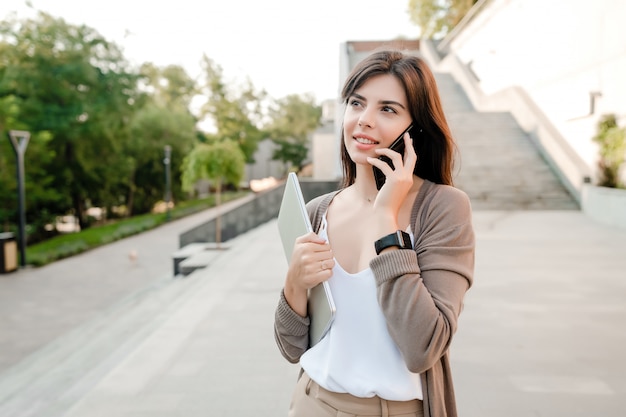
point(293, 119)
point(153, 128)
point(99, 126)
point(170, 86)
point(163, 120)
point(612, 148)
point(436, 18)
point(237, 114)
point(73, 90)
point(220, 162)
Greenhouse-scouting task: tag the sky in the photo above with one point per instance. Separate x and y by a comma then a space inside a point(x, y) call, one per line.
point(282, 46)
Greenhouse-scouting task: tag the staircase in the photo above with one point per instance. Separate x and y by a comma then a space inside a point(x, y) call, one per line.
point(499, 167)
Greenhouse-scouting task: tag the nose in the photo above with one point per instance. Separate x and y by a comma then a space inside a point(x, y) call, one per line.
point(366, 119)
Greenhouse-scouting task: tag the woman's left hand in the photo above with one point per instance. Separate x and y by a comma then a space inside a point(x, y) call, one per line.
point(399, 179)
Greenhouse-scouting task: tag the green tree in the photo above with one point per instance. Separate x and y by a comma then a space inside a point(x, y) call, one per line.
point(293, 119)
point(42, 199)
point(163, 120)
point(236, 114)
point(436, 18)
point(219, 162)
point(72, 89)
point(152, 128)
point(169, 86)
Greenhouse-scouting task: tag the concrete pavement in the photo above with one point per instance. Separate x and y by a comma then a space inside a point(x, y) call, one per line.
point(542, 333)
point(544, 328)
point(38, 305)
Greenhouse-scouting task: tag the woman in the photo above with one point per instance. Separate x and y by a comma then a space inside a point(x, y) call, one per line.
point(399, 260)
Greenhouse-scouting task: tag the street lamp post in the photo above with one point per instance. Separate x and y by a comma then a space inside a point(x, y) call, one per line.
point(19, 139)
point(168, 181)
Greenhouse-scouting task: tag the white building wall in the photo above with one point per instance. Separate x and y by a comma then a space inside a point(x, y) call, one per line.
point(324, 156)
point(264, 166)
point(325, 144)
point(559, 51)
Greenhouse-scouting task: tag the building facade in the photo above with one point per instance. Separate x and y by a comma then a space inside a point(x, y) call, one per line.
point(568, 56)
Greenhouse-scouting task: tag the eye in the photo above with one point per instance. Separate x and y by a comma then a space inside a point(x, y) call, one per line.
point(354, 102)
point(388, 109)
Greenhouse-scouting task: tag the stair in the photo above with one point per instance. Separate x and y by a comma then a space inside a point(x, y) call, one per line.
point(498, 165)
point(203, 258)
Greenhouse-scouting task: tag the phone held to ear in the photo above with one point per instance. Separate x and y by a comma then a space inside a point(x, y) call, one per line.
point(398, 146)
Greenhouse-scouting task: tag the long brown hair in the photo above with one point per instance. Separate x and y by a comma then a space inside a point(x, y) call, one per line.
point(431, 135)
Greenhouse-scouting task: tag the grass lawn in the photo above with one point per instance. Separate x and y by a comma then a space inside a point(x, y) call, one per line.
point(66, 245)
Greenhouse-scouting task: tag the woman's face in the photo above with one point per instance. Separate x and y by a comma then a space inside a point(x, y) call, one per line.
point(376, 114)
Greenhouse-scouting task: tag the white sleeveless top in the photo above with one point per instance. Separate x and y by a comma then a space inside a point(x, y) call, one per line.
point(357, 355)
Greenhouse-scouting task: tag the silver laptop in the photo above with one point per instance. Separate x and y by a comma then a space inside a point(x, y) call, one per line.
point(293, 222)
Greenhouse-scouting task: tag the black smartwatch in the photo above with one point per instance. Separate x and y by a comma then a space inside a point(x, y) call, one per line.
point(399, 239)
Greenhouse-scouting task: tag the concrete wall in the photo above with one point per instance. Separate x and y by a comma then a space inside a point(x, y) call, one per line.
point(263, 166)
point(605, 205)
point(562, 53)
point(252, 212)
point(324, 144)
point(324, 153)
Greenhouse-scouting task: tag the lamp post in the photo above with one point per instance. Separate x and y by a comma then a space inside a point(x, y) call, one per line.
point(19, 139)
point(168, 181)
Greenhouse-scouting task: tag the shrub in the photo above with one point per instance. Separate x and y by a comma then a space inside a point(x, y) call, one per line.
point(612, 141)
point(70, 244)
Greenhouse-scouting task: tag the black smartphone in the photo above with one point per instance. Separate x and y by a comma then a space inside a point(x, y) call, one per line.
point(398, 146)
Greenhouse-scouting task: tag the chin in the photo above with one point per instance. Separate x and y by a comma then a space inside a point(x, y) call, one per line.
point(358, 158)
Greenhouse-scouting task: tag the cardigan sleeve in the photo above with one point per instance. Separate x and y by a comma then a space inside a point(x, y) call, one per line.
point(421, 291)
point(291, 331)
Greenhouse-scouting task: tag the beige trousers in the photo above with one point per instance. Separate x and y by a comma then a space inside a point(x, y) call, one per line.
point(311, 400)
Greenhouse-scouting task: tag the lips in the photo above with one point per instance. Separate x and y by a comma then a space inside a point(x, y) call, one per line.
point(365, 140)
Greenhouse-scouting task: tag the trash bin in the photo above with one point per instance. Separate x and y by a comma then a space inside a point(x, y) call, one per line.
point(8, 253)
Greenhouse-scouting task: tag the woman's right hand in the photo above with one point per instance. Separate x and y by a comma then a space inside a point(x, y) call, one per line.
point(311, 263)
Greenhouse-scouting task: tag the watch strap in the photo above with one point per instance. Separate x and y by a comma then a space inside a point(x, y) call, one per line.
point(398, 239)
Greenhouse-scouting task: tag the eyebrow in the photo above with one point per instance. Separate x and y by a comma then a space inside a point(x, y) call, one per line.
point(386, 102)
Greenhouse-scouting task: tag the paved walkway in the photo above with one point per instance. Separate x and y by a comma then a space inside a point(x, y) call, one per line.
point(542, 334)
point(38, 305)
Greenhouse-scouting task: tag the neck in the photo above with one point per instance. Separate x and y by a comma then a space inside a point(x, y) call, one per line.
point(365, 187)
point(365, 196)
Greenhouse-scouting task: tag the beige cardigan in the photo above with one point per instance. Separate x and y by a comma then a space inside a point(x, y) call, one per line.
point(420, 291)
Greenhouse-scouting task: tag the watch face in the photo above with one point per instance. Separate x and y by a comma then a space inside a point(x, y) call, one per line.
point(407, 241)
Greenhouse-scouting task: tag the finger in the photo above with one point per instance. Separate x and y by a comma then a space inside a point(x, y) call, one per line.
point(317, 271)
point(310, 237)
point(320, 260)
point(312, 254)
point(325, 266)
point(382, 165)
point(389, 153)
point(408, 145)
point(309, 271)
point(322, 276)
point(325, 275)
point(395, 157)
point(316, 250)
point(410, 156)
point(310, 251)
point(328, 263)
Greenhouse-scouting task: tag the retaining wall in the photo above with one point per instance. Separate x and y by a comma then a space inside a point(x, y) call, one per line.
point(253, 212)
